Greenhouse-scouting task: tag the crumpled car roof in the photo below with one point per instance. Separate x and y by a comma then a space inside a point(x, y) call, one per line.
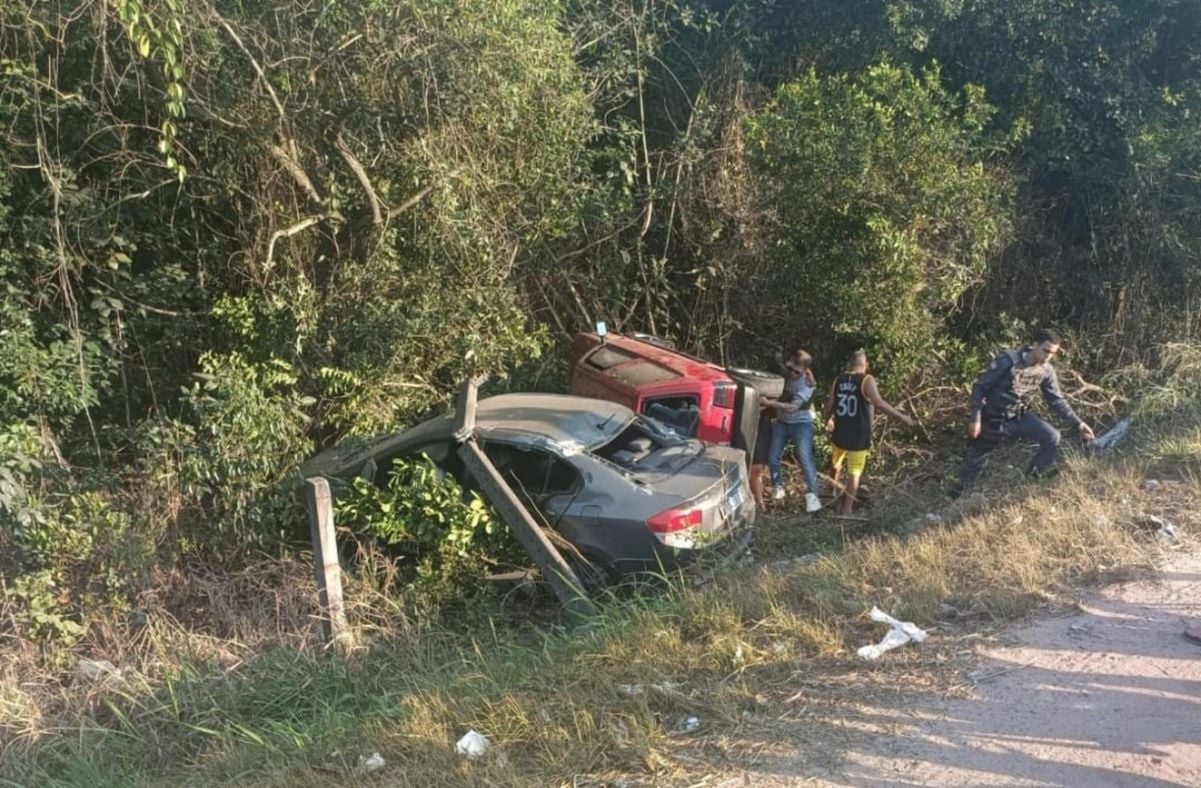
point(563, 419)
point(565, 423)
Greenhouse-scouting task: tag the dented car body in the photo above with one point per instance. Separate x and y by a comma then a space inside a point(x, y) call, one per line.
point(628, 494)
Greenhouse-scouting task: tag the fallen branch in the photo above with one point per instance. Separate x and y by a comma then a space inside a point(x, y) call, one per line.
point(279, 107)
point(421, 195)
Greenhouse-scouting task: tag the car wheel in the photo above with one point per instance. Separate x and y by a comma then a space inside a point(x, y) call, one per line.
point(593, 573)
point(767, 384)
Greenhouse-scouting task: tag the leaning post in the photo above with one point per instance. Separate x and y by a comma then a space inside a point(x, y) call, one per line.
point(325, 561)
point(465, 407)
point(556, 570)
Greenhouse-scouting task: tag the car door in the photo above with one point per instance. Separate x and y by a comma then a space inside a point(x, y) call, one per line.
point(542, 479)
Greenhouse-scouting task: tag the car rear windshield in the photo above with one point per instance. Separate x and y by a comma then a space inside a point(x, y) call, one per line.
point(607, 356)
point(647, 446)
point(626, 367)
point(640, 373)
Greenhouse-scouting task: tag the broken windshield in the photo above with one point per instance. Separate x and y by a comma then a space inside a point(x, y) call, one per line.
point(646, 445)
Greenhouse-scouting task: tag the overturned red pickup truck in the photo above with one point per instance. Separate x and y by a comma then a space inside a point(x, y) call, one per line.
point(690, 396)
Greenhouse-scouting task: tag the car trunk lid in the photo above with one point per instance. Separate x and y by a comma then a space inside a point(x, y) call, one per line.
point(710, 514)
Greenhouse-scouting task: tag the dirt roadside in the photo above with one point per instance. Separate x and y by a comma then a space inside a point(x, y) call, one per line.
point(1106, 696)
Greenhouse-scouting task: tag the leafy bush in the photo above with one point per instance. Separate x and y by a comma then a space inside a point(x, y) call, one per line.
point(445, 538)
point(20, 460)
point(67, 545)
point(884, 210)
point(210, 480)
point(83, 556)
point(250, 424)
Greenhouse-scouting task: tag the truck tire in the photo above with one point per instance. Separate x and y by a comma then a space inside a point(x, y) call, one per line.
point(767, 384)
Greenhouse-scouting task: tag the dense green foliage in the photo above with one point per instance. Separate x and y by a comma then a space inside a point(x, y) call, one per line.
point(231, 233)
point(446, 541)
point(885, 213)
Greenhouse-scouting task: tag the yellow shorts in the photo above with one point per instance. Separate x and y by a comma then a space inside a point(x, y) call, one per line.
point(856, 460)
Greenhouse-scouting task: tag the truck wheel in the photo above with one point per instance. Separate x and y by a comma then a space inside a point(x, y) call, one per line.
point(767, 384)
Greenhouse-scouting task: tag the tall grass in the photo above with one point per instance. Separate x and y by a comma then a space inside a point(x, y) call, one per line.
point(224, 683)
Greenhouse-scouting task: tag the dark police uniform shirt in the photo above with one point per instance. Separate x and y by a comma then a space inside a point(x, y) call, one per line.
point(1006, 389)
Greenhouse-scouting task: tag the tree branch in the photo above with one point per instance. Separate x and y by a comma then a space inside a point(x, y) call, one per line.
point(421, 195)
point(297, 172)
point(279, 107)
point(360, 172)
point(288, 232)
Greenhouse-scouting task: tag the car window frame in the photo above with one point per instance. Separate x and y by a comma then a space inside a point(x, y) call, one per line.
point(693, 397)
point(578, 475)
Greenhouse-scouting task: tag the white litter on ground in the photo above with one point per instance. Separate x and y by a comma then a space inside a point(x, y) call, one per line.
point(662, 686)
point(900, 633)
point(688, 724)
point(94, 669)
point(369, 763)
point(1112, 437)
point(472, 745)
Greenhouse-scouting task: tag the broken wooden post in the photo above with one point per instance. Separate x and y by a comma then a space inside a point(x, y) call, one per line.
point(555, 569)
point(325, 561)
point(465, 405)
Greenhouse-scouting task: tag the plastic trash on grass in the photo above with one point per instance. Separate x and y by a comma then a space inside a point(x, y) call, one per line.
point(102, 672)
point(1111, 438)
point(92, 669)
point(369, 764)
point(900, 633)
point(669, 687)
point(473, 745)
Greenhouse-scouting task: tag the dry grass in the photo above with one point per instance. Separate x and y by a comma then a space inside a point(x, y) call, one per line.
point(224, 685)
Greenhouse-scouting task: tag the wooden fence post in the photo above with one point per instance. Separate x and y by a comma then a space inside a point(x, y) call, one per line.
point(325, 560)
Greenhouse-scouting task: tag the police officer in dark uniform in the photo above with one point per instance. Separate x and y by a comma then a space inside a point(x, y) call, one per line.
point(1001, 401)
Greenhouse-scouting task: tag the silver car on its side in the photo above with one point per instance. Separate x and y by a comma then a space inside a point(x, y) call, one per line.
point(630, 495)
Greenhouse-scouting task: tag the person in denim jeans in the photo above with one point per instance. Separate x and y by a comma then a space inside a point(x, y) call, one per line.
point(1000, 408)
point(794, 422)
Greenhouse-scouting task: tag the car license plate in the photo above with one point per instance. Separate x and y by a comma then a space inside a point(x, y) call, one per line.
point(734, 499)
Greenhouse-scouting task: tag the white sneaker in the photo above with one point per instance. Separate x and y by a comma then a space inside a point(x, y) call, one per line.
point(812, 504)
point(777, 493)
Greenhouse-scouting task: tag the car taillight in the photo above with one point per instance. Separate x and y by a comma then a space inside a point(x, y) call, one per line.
point(666, 522)
point(724, 394)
